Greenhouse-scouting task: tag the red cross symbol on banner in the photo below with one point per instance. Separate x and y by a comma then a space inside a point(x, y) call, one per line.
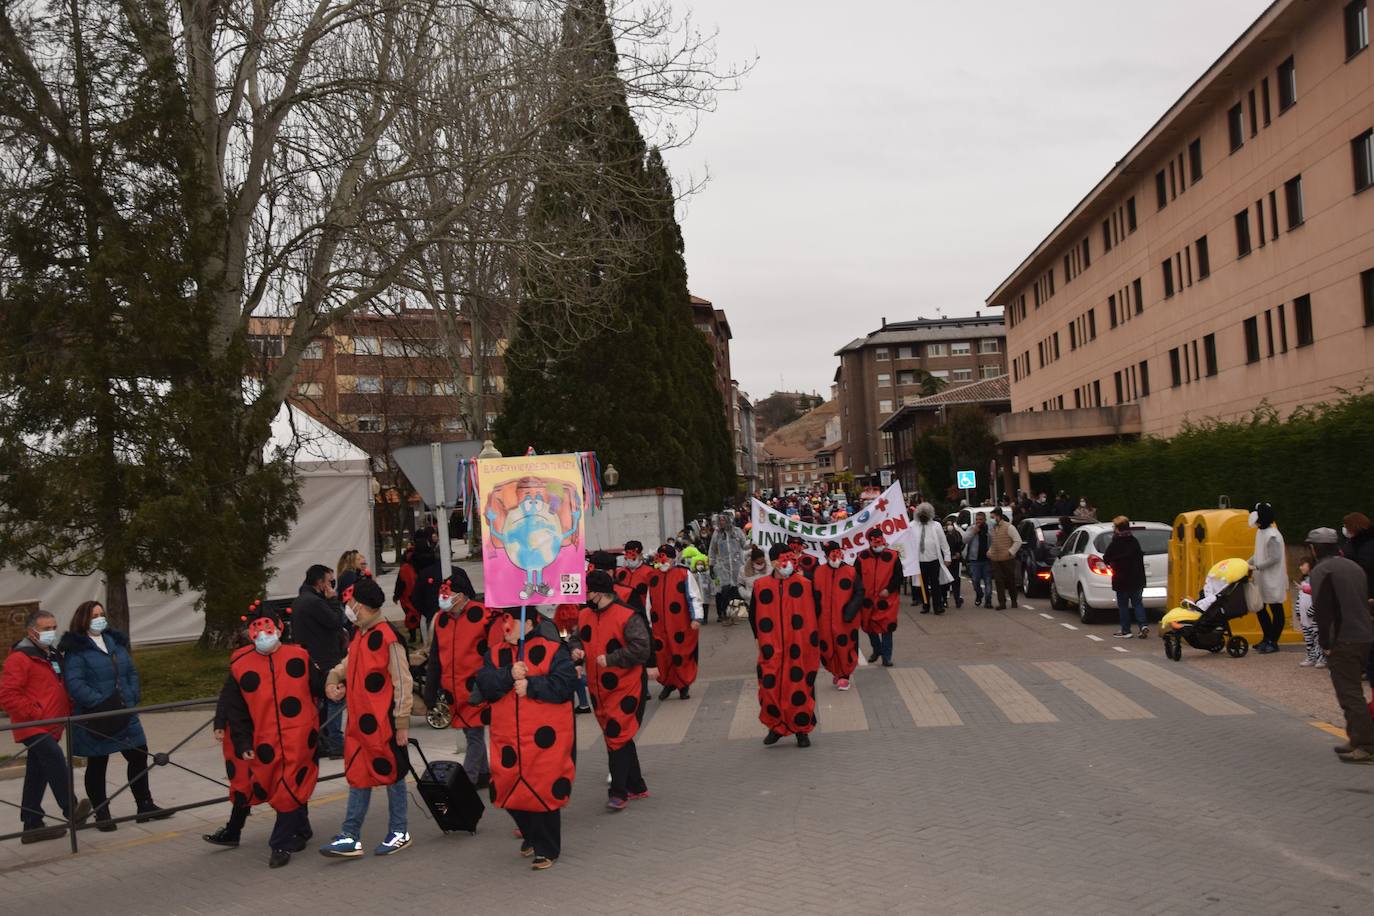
point(881, 505)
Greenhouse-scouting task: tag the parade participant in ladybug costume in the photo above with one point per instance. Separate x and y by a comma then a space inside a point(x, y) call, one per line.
point(635, 573)
point(464, 629)
point(880, 569)
point(675, 614)
point(614, 644)
point(374, 679)
point(623, 592)
point(783, 615)
point(839, 604)
point(529, 679)
point(272, 727)
point(806, 562)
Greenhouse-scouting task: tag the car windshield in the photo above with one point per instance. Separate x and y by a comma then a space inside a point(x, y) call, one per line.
point(1153, 542)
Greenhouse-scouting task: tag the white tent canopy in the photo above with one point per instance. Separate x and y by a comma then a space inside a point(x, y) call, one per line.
point(335, 515)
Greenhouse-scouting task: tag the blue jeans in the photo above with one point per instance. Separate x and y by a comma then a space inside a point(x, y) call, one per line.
point(581, 691)
point(45, 766)
point(882, 645)
point(980, 572)
point(331, 732)
point(396, 801)
point(1124, 603)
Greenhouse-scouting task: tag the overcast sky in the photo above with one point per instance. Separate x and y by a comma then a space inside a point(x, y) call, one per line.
point(899, 158)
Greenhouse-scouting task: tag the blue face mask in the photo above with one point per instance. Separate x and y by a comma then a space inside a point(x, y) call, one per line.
point(97, 626)
point(266, 643)
point(47, 638)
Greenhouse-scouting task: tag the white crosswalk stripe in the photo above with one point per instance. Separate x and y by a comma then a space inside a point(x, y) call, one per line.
point(925, 701)
point(839, 710)
point(1113, 704)
point(1183, 689)
point(1014, 701)
point(671, 718)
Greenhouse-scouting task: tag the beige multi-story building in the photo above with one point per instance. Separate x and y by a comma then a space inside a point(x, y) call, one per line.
point(1226, 260)
point(902, 362)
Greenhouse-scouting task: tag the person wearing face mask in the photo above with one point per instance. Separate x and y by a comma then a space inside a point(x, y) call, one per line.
point(272, 728)
point(317, 624)
point(1269, 571)
point(954, 538)
point(806, 561)
point(783, 616)
point(613, 642)
point(675, 615)
point(880, 569)
point(839, 602)
point(755, 568)
point(101, 677)
point(374, 680)
point(1084, 512)
point(727, 555)
point(1004, 542)
point(976, 543)
point(31, 690)
point(463, 631)
point(932, 551)
point(635, 573)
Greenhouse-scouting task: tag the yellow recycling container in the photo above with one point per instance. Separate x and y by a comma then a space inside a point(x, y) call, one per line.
point(1200, 540)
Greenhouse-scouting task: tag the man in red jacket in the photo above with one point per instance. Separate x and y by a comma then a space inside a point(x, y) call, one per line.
point(31, 690)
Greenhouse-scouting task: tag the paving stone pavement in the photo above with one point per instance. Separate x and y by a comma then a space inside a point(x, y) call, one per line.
point(1007, 765)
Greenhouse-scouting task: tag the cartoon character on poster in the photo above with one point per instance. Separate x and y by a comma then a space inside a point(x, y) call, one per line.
point(531, 520)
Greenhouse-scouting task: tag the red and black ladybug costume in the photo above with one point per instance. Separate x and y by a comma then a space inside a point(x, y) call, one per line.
point(839, 604)
point(783, 613)
point(636, 576)
point(671, 615)
point(464, 631)
point(806, 562)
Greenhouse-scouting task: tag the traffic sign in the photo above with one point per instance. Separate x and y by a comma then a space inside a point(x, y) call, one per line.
point(885, 478)
point(968, 480)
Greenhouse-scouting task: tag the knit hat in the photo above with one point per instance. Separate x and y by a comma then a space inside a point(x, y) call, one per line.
point(369, 594)
point(599, 581)
point(601, 560)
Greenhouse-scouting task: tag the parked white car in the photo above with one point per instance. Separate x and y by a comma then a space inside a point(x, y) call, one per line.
point(1081, 578)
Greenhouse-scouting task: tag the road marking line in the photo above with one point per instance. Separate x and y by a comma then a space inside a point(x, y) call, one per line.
point(1068, 626)
point(1112, 703)
point(1015, 701)
point(1047, 616)
point(671, 720)
point(1095, 638)
point(840, 710)
point(745, 723)
point(1330, 729)
point(925, 701)
point(1119, 649)
point(1185, 690)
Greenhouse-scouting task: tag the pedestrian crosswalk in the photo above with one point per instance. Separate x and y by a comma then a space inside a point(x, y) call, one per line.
point(945, 695)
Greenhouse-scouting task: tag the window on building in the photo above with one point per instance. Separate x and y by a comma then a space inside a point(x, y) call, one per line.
point(989, 345)
point(1106, 235)
point(394, 347)
point(1259, 219)
point(1254, 115)
point(906, 377)
point(1209, 353)
point(1087, 255)
point(1362, 149)
point(1056, 344)
point(1356, 27)
point(962, 375)
point(1302, 319)
point(1264, 100)
point(453, 425)
point(313, 350)
point(1204, 259)
point(908, 352)
point(1111, 309)
point(940, 374)
point(490, 421)
point(1051, 279)
point(366, 346)
point(266, 346)
point(1243, 233)
point(936, 351)
point(310, 389)
point(1288, 85)
point(1073, 336)
point(884, 407)
point(1175, 369)
point(1161, 190)
point(1167, 267)
point(1195, 161)
point(1269, 330)
point(1283, 330)
point(398, 386)
point(990, 372)
point(881, 353)
point(1367, 292)
point(1144, 378)
point(960, 349)
point(370, 423)
point(1120, 397)
point(1235, 125)
point(1292, 196)
point(1139, 301)
point(1273, 216)
point(884, 378)
point(1130, 214)
point(367, 384)
point(1092, 324)
point(1252, 346)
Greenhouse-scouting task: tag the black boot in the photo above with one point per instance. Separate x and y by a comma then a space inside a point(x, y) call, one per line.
point(103, 822)
point(666, 692)
point(223, 837)
point(149, 811)
point(803, 740)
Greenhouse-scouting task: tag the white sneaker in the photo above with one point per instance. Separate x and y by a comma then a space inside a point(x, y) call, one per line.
point(394, 843)
point(1124, 635)
point(1306, 663)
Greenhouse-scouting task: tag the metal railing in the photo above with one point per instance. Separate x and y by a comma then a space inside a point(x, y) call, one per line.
point(158, 759)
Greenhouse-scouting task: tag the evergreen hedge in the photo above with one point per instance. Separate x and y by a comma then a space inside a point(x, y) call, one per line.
point(1314, 467)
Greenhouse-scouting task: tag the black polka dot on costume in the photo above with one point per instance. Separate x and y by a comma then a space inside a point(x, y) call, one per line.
point(675, 607)
point(794, 652)
point(374, 640)
point(653, 616)
point(382, 766)
point(628, 705)
point(892, 628)
point(798, 621)
point(658, 645)
point(801, 720)
point(259, 792)
point(536, 654)
point(764, 596)
point(613, 645)
point(609, 680)
point(291, 707)
point(296, 667)
point(265, 753)
point(374, 682)
point(474, 614)
point(765, 625)
point(846, 584)
point(508, 757)
point(758, 671)
point(795, 673)
point(367, 723)
point(810, 678)
point(612, 729)
point(679, 637)
point(773, 711)
point(562, 788)
point(653, 581)
point(444, 622)
point(815, 639)
point(230, 771)
point(842, 640)
point(485, 716)
point(544, 736)
point(766, 651)
point(798, 698)
point(796, 589)
point(677, 659)
point(682, 586)
point(250, 682)
point(312, 739)
point(482, 647)
point(770, 681)
point(301, 776)
point(585, 634)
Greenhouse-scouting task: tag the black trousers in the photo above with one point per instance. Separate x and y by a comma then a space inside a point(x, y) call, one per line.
point(136, 759)
point(238, 816)
point(541, 829)
point(1271, 621)
point(626, 778)
point(930, 591)
point(291, 830)
point(726, 594)
point(1344, 662)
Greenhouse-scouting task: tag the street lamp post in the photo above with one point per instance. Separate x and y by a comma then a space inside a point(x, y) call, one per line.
point(611, 476)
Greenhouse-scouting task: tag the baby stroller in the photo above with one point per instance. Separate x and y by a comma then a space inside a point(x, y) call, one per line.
point(439, 714)
point(1206, 623)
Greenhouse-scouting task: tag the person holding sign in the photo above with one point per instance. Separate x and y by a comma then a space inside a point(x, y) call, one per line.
point(881, 569)
point(675, 614)
point(783, 615)
point(839, 602)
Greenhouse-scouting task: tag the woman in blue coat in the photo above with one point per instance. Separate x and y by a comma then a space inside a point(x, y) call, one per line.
point(100, 677)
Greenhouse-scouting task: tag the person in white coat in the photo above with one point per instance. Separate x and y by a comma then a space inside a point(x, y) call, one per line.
point(932, 551)
point(1270, 573)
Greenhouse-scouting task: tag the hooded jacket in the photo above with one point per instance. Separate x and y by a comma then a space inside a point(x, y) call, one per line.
point(91, 677)
point(31, 689)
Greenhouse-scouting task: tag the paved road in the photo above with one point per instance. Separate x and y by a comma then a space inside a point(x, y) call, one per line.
point(1007, 764)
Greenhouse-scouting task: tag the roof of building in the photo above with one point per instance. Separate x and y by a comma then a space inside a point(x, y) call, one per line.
point(799, 440)
point(1162, 139)
point(927, 329)
point(724, 324)
point(989, 391)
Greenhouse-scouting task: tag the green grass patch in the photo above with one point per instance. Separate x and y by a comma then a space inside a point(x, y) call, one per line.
point(185, 672)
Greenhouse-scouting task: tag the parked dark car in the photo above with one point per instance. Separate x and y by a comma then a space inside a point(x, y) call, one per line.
point(1039, 543)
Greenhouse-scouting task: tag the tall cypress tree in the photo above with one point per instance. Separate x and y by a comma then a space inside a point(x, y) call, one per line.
point(639, 388)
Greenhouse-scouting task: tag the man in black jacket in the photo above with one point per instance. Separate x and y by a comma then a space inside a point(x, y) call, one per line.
point(318, 626)
point(1345, 632)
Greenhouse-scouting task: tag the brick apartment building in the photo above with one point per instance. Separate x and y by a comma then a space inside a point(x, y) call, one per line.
point(1225, 260)
point(881, 372)
point(712, 322)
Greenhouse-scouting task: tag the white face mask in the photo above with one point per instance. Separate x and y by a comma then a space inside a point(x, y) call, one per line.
point(445, 602)
point(1254, 519)
point(97, 626)
point(835, 564)
point(351, 614)
point(266, 643)
point(785, 570)
point(634, 564)
point(664, 567)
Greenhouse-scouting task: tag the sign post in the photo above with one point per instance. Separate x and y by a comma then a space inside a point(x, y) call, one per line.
point(968, 480)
